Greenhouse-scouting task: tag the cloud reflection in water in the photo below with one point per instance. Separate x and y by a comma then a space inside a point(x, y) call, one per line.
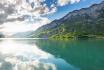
point(24, 56)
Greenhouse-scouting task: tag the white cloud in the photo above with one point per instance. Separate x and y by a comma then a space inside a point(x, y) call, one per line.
point(64, 2)
point(53, 8)
point(9, 28)
point(35, 7)
point(13, 12)
point(2, 12)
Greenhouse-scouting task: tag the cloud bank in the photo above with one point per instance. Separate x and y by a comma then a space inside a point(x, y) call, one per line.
point(34, 8)
point(28, 11)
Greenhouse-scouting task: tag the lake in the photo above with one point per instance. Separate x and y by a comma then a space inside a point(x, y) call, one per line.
point(37, 54)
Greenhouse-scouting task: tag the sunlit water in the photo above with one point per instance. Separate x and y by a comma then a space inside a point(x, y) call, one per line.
point(26, 55)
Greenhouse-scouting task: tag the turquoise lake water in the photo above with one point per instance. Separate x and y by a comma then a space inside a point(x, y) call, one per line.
point(52, 55)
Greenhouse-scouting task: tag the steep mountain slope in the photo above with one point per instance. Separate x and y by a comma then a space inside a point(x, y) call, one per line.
point(86, 22)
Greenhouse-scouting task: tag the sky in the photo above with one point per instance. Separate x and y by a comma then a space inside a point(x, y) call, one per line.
point(63, 10)
point(28, 15)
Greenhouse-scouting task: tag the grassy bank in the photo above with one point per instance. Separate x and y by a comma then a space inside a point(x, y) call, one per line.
point(72, 36)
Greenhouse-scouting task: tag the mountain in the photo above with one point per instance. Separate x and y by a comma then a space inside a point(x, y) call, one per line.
point(21, 35)
point(86, 22)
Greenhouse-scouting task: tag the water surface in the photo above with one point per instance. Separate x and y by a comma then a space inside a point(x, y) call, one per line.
point(31, 54)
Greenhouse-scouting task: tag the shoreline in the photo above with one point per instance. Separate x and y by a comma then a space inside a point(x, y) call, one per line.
point(76, 38)
point(73, 38)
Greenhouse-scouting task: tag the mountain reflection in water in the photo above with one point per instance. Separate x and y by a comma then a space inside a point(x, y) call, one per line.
point(26, 55)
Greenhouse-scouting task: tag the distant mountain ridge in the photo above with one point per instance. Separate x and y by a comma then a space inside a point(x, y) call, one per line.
point(86, 21)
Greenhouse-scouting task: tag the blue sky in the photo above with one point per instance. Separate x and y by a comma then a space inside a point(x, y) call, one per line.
point(63, 10)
